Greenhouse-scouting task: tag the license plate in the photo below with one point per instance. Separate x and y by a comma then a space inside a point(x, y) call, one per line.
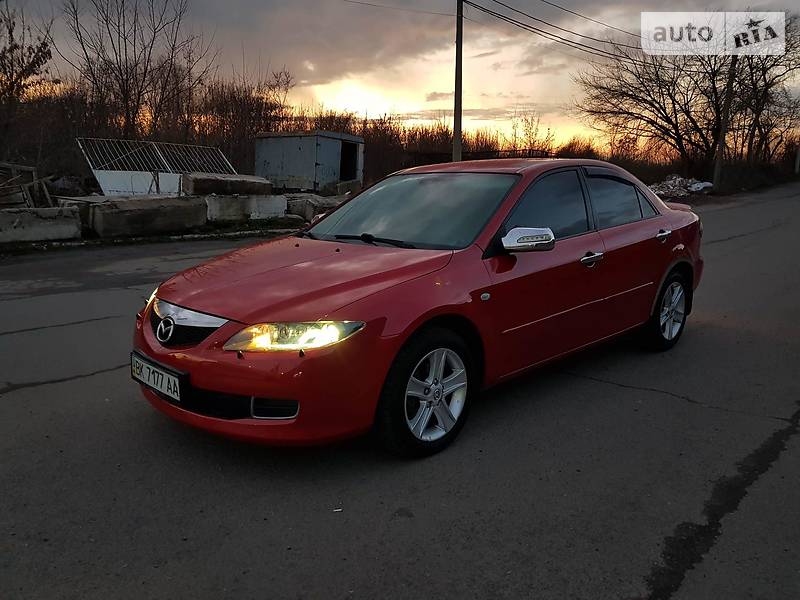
point(155, 378)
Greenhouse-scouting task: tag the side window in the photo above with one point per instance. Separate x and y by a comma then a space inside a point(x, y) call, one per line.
point(615, 202)
point(647, 208)
point(555, 201)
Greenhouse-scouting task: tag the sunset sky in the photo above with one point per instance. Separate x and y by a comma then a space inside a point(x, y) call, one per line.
point(374, 60)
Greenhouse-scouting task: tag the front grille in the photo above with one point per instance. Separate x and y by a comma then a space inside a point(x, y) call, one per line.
point(181, 335)
point(232, 406)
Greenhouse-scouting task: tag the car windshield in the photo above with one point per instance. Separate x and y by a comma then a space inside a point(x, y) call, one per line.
point(425, 210)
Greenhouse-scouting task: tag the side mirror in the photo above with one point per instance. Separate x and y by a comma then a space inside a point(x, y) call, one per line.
point(317, 217)
point(529, 239)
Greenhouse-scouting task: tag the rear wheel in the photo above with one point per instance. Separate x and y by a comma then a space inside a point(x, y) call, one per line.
point(424, 401)
point(668, 321)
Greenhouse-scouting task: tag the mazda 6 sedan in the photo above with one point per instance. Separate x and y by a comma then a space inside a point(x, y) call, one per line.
point(391, 312)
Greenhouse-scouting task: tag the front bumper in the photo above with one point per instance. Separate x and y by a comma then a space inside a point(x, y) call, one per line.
point(335, 389)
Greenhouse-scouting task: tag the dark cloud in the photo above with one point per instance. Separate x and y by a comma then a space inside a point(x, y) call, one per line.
point(506, 96)
point(498, 113)
point(338, 38)
point(485, 54)
point(325, 40)
point(437, 96)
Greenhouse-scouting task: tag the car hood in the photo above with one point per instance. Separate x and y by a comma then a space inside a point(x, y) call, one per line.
point(295, 278)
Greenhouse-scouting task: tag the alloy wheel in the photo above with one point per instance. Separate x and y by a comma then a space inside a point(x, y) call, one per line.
point(673, 311)
point(435, 394)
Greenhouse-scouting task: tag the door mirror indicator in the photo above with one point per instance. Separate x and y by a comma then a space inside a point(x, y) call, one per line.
point(529, 239)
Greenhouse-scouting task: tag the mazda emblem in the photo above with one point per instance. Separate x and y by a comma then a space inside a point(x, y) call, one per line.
point(165, 329)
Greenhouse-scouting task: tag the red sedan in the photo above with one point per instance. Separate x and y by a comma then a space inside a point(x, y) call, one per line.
point(392, 311)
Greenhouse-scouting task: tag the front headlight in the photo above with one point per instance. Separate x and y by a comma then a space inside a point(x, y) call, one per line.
point(151, 298)
point(291, 336)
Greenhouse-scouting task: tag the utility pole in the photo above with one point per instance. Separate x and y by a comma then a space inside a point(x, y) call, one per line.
point(457, 93)
point(723, 124)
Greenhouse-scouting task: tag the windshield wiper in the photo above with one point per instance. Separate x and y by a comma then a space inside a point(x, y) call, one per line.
point(368, 238)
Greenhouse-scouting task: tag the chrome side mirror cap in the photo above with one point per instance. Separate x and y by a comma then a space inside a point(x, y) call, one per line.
point(529, 239)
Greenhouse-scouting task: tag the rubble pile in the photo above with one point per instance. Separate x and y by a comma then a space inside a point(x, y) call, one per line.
point(675, 186)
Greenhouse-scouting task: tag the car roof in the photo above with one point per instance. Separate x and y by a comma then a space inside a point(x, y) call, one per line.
point(509, 165)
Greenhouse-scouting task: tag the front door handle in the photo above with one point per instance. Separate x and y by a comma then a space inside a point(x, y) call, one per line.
point(591, 258)
point(663, 234)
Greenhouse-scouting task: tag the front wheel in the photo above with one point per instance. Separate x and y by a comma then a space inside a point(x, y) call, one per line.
point(424, 401)
point(668, 321)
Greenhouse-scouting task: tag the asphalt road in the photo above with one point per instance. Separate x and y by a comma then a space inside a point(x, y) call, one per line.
point(613, 474)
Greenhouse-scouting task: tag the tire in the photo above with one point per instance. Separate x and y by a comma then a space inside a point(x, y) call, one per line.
point(412, 416)
point(663, 330)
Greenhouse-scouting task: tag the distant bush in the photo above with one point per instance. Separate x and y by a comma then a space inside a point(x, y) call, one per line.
point(578, 147)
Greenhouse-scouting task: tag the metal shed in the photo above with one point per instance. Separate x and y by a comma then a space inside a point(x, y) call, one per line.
point(315, 160)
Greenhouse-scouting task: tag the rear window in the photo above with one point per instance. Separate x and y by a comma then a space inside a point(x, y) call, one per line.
point(647, 208)
point(615, 202)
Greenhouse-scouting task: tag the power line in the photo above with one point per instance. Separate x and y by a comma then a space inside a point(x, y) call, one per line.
point(588, 37)
point(546, 34)
point(577, 14)
point(402, 8)
point(496, 27)
point(599, 52)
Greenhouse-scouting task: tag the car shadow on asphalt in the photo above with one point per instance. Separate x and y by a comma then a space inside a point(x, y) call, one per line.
point(524, 397)
point(489, 408)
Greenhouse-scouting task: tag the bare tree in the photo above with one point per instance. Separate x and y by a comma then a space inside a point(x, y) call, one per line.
point(766, 109)
point(136, 54)
point(535, 136)
point(23, 64)
point(676, 102)
point(670, 100)
point(527, 133)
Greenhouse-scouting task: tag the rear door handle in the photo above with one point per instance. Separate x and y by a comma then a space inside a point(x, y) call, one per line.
point(591, 258)
point(663, 234)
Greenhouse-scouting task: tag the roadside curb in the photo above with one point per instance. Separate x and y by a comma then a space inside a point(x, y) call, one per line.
point(18, 248)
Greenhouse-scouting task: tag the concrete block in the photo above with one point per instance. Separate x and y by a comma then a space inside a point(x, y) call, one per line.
point(267, 207)
point(147, 215)
point(83, 204)
point(237, 209)
point(227, 209)
point(39, 224)
point(310, 205)
point(344, 187)
point(204, 184)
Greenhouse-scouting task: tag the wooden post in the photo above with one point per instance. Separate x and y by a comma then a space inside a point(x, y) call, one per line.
point(457, 92)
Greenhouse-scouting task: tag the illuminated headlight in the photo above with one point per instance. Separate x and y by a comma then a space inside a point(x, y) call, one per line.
point(292, 336)
point(151, 298)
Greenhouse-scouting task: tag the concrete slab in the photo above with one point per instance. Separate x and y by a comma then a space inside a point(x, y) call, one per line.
point(352, 187)
point(309, 206)
point(238, 209)
point(227, 209)
point(147, 216)
point(83, 204)
point(38, 224)
point(202, 184)
point(267, 207)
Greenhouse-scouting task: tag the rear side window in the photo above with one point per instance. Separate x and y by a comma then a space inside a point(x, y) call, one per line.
point(647, 208)
point(615, 202)
point(555, 201)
